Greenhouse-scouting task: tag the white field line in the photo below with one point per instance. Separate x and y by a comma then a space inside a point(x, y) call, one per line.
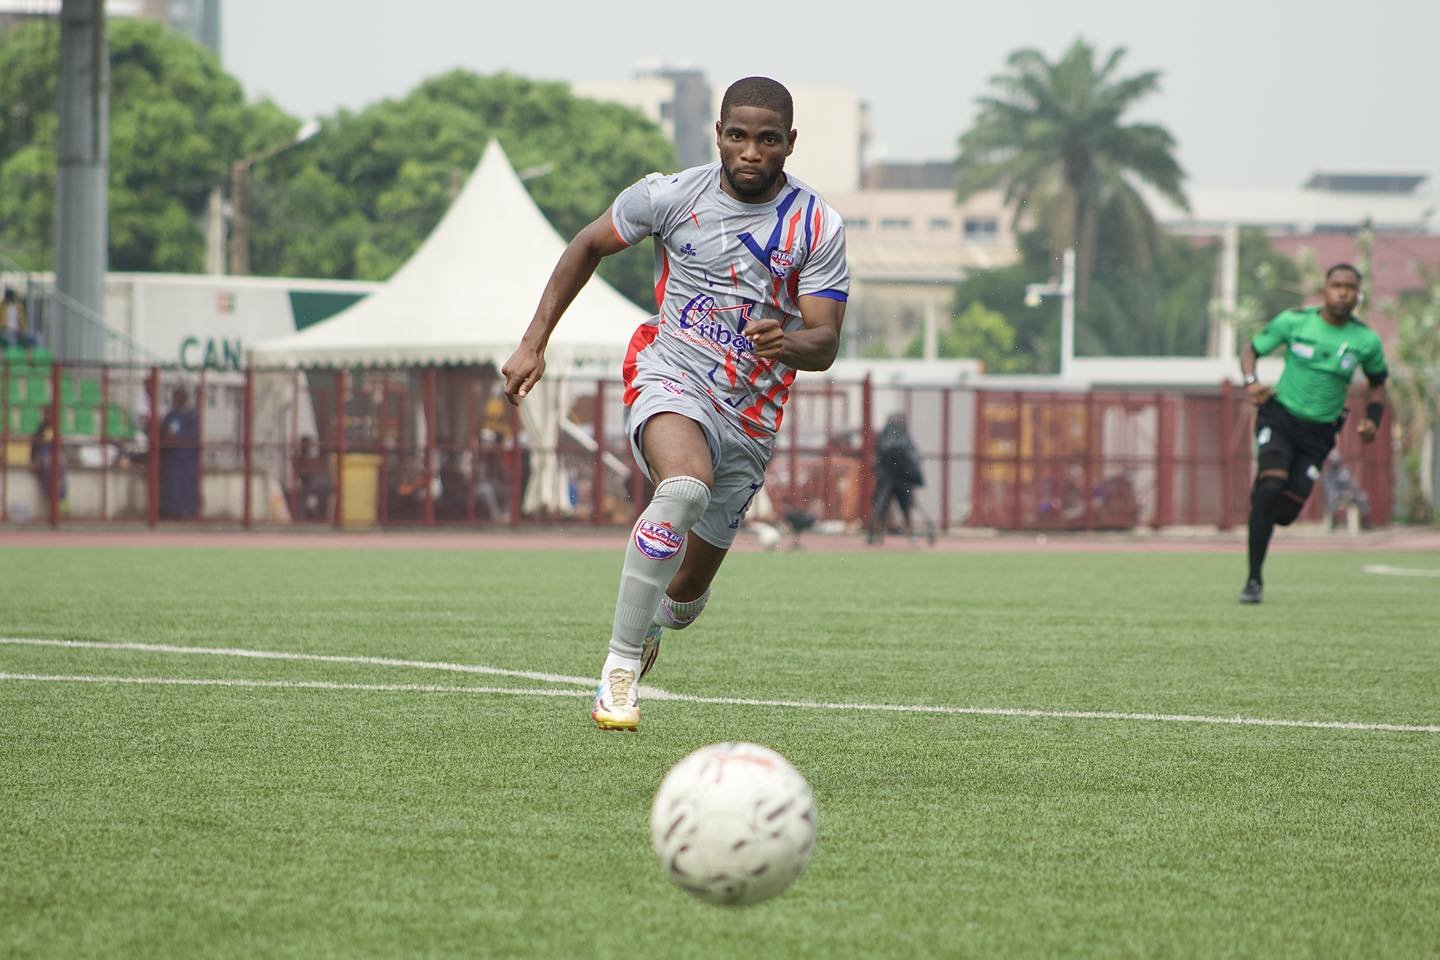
point(1389, 571)
point(302, 657)
point(293, 684)
point(650, 693)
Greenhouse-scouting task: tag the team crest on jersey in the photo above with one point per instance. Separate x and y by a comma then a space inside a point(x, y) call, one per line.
point(781, 262)
point(1347, 363)
point(658, 541)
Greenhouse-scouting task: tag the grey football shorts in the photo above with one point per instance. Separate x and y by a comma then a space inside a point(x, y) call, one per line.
point(736, 461)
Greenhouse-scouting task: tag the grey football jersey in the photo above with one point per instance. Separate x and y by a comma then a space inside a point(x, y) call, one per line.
point(719, 265)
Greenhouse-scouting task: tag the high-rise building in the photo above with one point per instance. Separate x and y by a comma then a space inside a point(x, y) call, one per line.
point(677, 99)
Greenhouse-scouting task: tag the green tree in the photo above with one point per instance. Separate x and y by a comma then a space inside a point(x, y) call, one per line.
point(357, 199)
point(1052, 137)
point(1415, 389)
point(1161, 309)
point(176, 122)
point(979, 333)
point(1036, 345)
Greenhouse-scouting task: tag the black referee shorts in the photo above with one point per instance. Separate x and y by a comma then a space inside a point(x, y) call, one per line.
point(1285, 442)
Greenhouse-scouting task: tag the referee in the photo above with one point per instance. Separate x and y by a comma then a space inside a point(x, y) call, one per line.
point(1298, 420)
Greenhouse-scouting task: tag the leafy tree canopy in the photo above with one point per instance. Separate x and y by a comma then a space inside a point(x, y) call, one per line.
point(1052, 136)
point(351, 202)
point(176, 122)
point(358, 198)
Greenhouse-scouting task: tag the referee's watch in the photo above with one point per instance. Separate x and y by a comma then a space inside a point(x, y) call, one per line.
point(1250, 378)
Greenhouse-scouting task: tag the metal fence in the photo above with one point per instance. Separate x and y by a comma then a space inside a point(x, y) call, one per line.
point(440, 447)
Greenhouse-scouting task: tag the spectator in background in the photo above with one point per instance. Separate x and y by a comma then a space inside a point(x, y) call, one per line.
point(317, 485)
point(44, 458)
point(180, 459)
point(897, 474)
point(1341, 493)
point(14, 329)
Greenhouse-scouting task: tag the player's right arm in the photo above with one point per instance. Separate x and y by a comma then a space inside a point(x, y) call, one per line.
point(573, 270)
point(1276, 332)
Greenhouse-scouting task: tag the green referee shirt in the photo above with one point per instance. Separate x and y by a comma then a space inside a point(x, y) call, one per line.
point(1319, 361)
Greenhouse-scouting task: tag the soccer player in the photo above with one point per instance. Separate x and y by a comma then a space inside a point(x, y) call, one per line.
point(750, 283)
point(1299, 419)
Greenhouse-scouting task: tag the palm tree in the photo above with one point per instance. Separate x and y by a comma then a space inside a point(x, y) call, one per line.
point(1051, 136)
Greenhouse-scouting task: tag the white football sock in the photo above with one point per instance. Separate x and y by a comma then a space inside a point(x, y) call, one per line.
point(653, 554)
point(612, 661)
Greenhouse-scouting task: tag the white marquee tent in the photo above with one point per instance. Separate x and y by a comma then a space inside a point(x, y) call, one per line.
point(465, 298)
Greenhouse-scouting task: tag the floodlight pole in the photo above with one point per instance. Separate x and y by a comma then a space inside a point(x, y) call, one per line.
point(1065, 290)
point(81, 206)
point(240, 197)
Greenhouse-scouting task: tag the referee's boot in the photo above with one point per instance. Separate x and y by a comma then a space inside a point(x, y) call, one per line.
point(1252, 593)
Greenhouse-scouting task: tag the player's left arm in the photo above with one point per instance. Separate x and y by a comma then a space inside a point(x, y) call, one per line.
point(821, 293)
point(812, 347)
point(1377, 373)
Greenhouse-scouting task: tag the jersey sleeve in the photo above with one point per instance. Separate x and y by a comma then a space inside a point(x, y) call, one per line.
point(633, 212)
point(1276, 332)
point(1373, 363)
point(826, 272)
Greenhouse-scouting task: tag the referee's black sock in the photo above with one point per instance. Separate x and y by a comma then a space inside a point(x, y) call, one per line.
point(1262, 525)
point(1263, 500)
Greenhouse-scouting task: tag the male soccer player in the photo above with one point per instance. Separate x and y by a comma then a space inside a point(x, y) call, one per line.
point(1299, 419)
point(751, 284)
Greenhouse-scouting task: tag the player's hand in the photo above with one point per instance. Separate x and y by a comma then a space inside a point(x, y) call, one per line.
point(767, 338)
point(1366, 429)
point(521, 372)
point(1259, 393)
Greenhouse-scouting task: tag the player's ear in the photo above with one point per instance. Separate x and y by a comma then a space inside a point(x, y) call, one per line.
point(791, 149)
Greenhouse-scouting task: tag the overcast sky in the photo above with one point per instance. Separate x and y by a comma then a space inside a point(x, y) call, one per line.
point(1257, 92)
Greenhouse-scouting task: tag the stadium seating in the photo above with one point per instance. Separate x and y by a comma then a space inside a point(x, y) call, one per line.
point(84, 413)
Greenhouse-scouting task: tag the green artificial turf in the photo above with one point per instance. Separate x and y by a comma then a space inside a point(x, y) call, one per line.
point(223, 821)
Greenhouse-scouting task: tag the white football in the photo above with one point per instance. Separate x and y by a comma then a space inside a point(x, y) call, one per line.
point(733, 823)
point(768, 535)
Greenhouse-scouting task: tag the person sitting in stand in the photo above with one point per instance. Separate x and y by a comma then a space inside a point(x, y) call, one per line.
point(317, 486)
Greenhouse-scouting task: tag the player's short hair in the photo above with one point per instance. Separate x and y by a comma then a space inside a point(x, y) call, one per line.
point(758, 92)
point(1344, 266)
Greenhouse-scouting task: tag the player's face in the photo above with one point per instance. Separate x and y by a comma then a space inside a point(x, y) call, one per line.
point(1342, 294)
point(753, 146)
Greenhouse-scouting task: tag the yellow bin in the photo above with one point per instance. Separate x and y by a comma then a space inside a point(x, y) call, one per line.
point(360, 484)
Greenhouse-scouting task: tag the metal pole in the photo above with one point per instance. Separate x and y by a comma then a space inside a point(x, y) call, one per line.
point(1227, 407)
point(1067, 312)
point(248, 453)
point(597, 476)
point(867, 449)
point(1016, 457)
point(339, 448)
point(81, 201)
point(1229, 291)
point(1164, 463)
point(428, 516)
point(5, 444)
point(153, 472)
point(945, 459)
point(57, 456)
point(104, 443)
point(239, 220)
point(517, 487)
point(1092, 453)
point(200, 447)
